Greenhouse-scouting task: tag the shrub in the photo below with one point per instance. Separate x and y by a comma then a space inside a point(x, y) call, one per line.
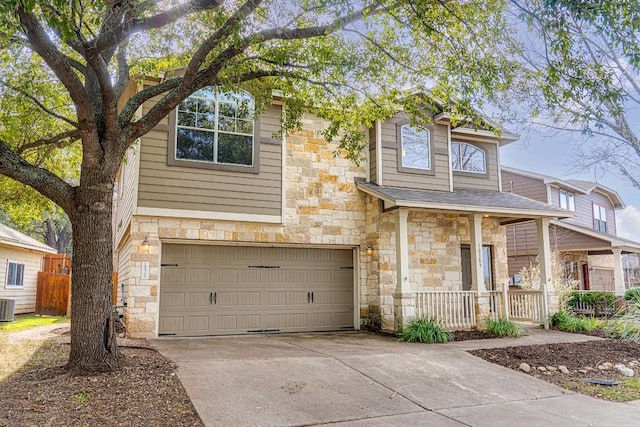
point(600, 301)
point(632, 294)
point(570, 323)
point(627, 325)
point(426, 330)
point(503, 328)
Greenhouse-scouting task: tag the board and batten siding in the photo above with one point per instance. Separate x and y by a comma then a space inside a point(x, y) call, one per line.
point(25, 296)
point(473, 181)
point(392, 177)
point(525, 186)
point(190, 188)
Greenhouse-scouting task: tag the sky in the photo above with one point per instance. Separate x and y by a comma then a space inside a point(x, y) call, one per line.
point(552, 155)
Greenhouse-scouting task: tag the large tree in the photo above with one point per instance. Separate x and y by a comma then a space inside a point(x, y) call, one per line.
point(581, 73)
point(345, 60)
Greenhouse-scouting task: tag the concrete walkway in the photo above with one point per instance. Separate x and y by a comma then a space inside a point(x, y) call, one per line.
point(355, 379)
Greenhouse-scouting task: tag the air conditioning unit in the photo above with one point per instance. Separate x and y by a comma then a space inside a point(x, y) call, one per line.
point(7, 307)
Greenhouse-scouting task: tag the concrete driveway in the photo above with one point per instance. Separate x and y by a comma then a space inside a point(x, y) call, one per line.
point(365, 379)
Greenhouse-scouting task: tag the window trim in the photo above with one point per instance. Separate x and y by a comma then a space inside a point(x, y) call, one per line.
point(601, 221)
point(484, 174)
point(405, 169)
point(568, 195)
point(198, 164)
point(6, 281)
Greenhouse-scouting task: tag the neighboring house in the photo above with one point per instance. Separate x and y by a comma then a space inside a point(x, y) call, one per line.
point(592, 253)
point(20, 262)
point(221, 228)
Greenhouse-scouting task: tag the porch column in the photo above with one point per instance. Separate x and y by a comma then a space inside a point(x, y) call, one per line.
point(404, 301)
point(477, 269)
point(544, 253)
point(618, 272)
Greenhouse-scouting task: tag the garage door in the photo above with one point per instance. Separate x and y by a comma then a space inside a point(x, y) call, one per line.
point(218, 290)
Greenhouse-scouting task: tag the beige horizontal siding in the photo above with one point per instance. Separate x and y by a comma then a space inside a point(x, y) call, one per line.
point(373, 161)
point(25, 297)
point(190, 188)
point(124, 262)
point(584, 210)
point(525, 186)
point(390, 175)
point(126, 196)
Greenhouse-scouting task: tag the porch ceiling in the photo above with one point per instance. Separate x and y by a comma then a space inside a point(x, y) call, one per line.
point(508, 207)
point(608, 241)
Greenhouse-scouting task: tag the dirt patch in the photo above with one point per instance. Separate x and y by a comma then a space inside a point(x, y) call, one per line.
point(583, 360)
point(473, 335)
point(146, 391)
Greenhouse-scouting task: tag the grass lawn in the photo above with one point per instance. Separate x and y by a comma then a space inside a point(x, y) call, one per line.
point(15, 353)
point(28, 321)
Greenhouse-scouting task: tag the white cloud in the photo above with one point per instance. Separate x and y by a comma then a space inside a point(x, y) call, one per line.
point(628, 223)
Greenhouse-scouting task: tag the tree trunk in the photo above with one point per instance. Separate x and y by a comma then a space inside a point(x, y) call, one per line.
point(93, 336)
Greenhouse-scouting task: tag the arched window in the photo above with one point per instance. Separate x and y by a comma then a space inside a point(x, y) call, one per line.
point(416, 147)
point(467, 158)
point(216, 127)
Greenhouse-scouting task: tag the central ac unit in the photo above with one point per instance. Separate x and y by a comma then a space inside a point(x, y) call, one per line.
point(7, 307)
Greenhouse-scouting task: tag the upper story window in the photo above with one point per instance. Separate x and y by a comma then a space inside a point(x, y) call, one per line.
point(416, 147)
point(216, 127)
point(599, 218)
point(467, 158)
point(15, 274)
point(568, 201)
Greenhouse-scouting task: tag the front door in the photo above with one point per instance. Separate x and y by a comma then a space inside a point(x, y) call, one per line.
point(487, 264)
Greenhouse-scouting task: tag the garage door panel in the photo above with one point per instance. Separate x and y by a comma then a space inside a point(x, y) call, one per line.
point(235, 290)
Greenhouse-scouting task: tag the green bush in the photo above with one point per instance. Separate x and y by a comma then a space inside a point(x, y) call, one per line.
point(570, 323)
point(632, 294)
point(627, 325)
point(426, 330)
point(503, 328)
point(600, 301)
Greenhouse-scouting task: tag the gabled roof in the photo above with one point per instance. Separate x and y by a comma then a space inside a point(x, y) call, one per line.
point(11, 237)
point(464, 200)
point(576, 185)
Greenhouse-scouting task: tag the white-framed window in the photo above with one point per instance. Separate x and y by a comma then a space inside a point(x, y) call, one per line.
point(15, 274)
point(567, 200)
point(216, 127)
point(467, 158)
point(599, 218)
point(416, 147)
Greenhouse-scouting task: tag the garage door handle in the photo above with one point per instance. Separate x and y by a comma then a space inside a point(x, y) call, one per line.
point(215, 298)
point(308, 297)
point(311, 296)
point(210, 297)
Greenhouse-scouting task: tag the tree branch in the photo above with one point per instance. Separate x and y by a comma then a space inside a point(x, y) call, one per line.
point(43, 181)
point(57, 140)
point(38, 103)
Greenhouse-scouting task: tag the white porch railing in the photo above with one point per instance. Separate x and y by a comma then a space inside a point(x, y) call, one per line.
point(454, 309)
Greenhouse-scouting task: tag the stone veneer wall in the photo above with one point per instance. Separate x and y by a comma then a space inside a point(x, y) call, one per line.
point(323, 207)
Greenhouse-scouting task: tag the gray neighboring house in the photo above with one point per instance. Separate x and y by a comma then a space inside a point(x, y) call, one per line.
point(20, 262)
point(587, 241)
point(223, 228)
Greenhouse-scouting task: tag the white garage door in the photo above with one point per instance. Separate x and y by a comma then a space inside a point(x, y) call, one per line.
point(217, 290)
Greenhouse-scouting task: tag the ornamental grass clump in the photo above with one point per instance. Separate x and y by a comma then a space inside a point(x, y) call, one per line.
point(503, 328)
point(568, 322)
point(425, 330)
point(627, 324)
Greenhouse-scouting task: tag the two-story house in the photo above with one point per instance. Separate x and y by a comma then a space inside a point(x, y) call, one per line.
point(221, 228)
point(587, 242)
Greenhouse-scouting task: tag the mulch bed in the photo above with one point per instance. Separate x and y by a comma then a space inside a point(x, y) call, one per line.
point(144, 392)
point(581, 359)
point(473, 335)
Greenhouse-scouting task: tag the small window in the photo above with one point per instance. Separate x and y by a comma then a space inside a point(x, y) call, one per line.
point(599, 218)
point(567, 200)
point(216, 127)
point(15, 274)
point(416, 147)
point(467, 158)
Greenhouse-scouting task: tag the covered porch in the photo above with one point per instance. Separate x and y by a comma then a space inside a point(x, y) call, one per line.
point(443, 254)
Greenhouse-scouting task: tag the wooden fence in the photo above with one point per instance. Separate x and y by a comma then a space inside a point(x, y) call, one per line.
point(57, 263)
point(53, 295)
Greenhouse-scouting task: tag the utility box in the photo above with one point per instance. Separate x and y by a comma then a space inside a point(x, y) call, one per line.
point(7, 307)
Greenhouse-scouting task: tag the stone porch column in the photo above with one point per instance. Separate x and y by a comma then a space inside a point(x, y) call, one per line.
point(618, 272)
point(404, 299)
